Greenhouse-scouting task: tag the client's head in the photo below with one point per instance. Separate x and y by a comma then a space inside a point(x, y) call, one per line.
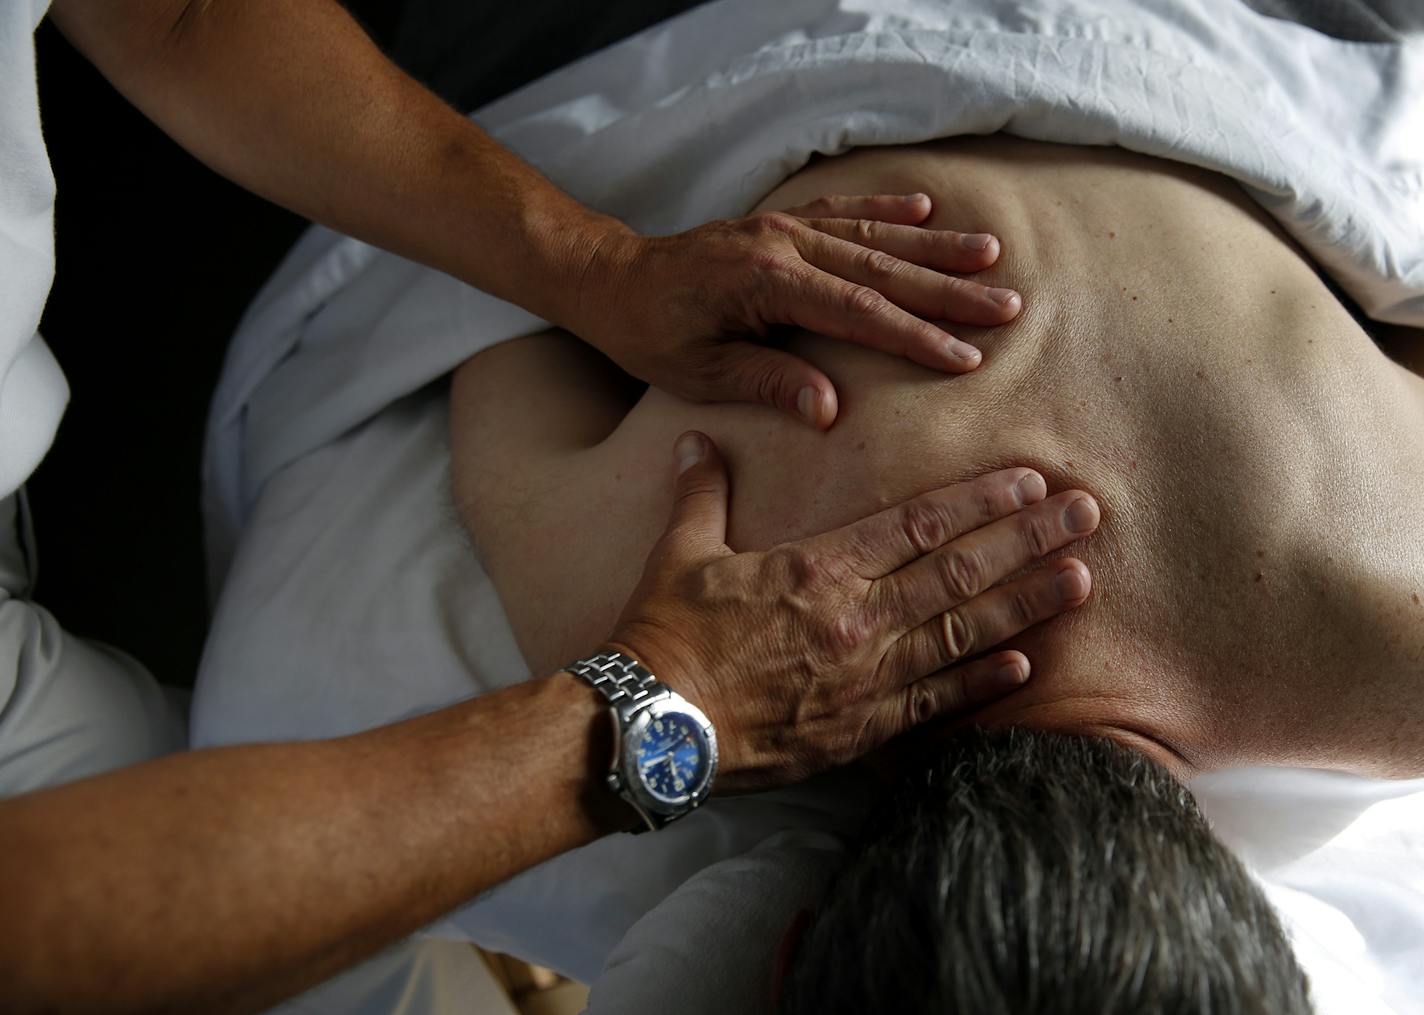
point(1036, 872)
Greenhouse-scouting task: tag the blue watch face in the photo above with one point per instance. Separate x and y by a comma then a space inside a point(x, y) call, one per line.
point(672, 757)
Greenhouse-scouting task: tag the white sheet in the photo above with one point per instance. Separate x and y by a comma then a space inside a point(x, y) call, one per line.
point(1337, 855)
point(353, 599)
point(702, 116)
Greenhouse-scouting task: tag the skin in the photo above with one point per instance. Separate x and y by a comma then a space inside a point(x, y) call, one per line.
point(224, 880)
point(865, 660)
point(1259, 570)
point(293, 102)
point(227, 879)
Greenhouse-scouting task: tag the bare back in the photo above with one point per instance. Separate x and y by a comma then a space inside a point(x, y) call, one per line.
point(1259, 570)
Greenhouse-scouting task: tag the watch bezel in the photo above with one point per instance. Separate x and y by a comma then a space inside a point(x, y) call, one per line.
point(626, 764)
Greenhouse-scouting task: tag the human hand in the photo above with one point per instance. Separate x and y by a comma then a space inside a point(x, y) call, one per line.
point(679, 311)
point(810, 654)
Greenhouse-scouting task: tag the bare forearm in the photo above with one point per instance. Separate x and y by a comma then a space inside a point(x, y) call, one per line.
point(226, 879)
point(294, 102)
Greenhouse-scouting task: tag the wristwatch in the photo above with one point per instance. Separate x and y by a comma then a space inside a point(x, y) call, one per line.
point(664, 748)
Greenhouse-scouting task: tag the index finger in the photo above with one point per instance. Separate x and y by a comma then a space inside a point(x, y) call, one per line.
point(888, 540)
point(939, 249)
point(908, 209)
point(829, 305)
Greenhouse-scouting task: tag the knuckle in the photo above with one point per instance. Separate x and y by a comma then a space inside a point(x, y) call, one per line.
point(774, 223)
point(822, 207)
point(864, 232)
point(920, 704)
point(1023, 609)
point(847, 633)
point(702, 585)
point(926, 525)
point(959, 288)
point(1037, 536)
point(956, 635)
point(962, 572)
point(880, 266)
point(765, 261)
point(960, 291)
point(715, 374)
point(769, 384)
point(862, 301)
point(986, 500)
point(955, 293)
point(799, 569)
point(696, 483)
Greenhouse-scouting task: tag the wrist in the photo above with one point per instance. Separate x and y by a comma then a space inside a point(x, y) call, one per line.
point(546, 241)
point(665, 756)
point(593, 263)
point(600, 808)
point(670, 666)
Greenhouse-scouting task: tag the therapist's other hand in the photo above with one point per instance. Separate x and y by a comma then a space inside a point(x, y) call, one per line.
point(813, 653)
point(685, 312)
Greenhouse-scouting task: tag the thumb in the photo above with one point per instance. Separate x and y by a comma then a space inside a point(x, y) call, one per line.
point(699, 512)
point(754, 373)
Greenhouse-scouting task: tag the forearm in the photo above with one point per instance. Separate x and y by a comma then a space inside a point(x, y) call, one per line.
point(294, 102)
point(227, 879)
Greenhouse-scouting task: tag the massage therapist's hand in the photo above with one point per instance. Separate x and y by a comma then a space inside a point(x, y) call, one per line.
point(813, 653)
point(684, 312)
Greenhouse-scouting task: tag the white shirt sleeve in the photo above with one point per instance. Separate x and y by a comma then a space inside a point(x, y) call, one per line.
point(33, 392)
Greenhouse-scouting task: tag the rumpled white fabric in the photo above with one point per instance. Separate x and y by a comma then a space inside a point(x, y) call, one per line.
point(353, 599)
point(33, 392)
point(1326, 847)
point(702, 116)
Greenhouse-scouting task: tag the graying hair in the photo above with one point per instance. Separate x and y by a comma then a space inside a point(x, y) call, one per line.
point(1036, 872)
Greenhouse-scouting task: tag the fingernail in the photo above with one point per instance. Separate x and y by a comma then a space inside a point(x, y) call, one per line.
point(807, 401)
point(964, 352)
point(1031, 489)
point(976, 241)
point(1011, 674)
point(912, 198)
point(1071, 583)
point(689, 451)
point(1081, 516)
point(1005, 297)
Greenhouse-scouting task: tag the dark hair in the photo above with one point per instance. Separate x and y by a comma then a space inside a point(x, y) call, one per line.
point(1030, 872)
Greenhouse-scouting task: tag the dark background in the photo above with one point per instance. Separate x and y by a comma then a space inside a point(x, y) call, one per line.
point(157, 259)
